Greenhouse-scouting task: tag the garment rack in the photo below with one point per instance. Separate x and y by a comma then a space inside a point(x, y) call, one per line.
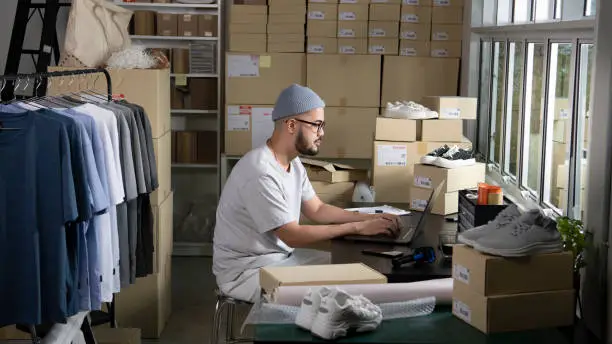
point(97, 317)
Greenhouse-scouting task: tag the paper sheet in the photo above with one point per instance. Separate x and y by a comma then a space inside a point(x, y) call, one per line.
point(391, 155)
point(242, 66)
point(384, 208)
point(441, 289)
point(263, 126)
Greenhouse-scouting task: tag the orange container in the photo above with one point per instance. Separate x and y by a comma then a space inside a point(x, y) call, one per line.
point(495, 195)
point(483, 193)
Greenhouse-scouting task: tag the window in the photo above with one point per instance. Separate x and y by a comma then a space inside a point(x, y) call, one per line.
point(591, 6)
point(522, 11)
point(497, 100)
point(544, 10)
point(516, 55)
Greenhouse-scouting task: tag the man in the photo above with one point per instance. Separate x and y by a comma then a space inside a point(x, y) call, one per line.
point(259, 210)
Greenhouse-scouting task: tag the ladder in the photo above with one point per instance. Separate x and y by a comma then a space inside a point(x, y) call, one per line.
point(49, 44)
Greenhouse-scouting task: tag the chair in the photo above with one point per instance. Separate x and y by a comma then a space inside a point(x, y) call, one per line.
point(228, 304)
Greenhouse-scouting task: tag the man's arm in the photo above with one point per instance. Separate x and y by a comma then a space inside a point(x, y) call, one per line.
point(320, 212)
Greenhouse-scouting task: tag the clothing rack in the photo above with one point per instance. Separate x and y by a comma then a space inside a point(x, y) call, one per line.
point(97, 317)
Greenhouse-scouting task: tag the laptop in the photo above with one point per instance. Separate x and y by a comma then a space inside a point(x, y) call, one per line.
point(409, 226)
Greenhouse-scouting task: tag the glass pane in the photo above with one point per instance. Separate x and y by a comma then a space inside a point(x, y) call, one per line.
point(516, 54)
point(484, 95)
point(590, 7)
point(558, 9)
point(534, 100)
point(489, 15)
point(504, 12)
point(544, 10)
point(559, 124)
point(584, 112)
point(497, 100)
point(522, 11)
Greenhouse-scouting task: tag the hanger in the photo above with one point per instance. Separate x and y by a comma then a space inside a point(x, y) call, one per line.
point(96, 95)
point(2, 128)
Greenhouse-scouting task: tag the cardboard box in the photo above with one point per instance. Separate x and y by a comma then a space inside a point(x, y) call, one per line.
point(105, 335)
point(491, 275)
point(273, 3)
point(271, 278)
point(286, 28)
point(447, 32)
point(416, 77)
point(319, 28)
point(415, 32)
point(350, 144)
point(163, 232)
point(445, 204)
point(450, 130)
point(329, 172)
point(353, 12)
point(188, 25)
point(287, 18)
point(334, 193)
point(518, 312)
point(353, 29)
point(240, 134)
point(460, 178)
point(563, 175)
point(447, 15)
point(251, 2)
point(397, 130)
point(415, 14)
point(390, 2)
point(179, 61)
point(446, 49)
point(287, 8)
point(414, 48)
point(208, 26)
point(322, 11)
point(248, 43)
point(144, 23)
point(286, 43)
point(352, 46)
point(447, 3)
point(383, 29)
point(163, 158)
point(384, 12)
point(167, 24)
point(259, 78)
point(345, 80)
point(383, 46)
point(453, 107)
point(322, 45)
point(424, 3)
point(246, 14)
point(250, 28)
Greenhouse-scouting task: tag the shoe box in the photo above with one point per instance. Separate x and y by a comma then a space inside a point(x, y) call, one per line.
point(270, 278)
point(427, 178)
point(450, 130)
point(452, 107)
point(496, 294)
point(396, 129)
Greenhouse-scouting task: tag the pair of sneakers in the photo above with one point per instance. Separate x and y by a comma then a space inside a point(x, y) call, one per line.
point(449, 157)
point(515, 234)
point(408, 110)
point(330, 313)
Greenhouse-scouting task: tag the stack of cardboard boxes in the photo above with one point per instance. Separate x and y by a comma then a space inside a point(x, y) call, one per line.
point(151, 23)
point(248, 22)
point(400, 144)
point(321, 27)
point(286, 26)
point(383, 28)
point(496, 294)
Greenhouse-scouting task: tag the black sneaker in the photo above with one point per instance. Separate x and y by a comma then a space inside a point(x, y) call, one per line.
point(431, 157)
point(455, 157)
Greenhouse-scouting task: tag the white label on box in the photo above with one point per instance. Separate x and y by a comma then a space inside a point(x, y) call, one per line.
point(462, 311)
point(242, 66)
point(315, 48)
point(347, 49)
point(348, 1)
point(347, 16)
point(238, 122)
point(346, 33)
point(563, 114)
point(439, 53)
point(316, 15)
point(377, 49)
point(410, 2)
point(422, 181)
point(410, 18)
point(461, 273)
point(409, 35)
point(442, 2)
point(450, 113)
point(392, 155)
point(440, 36)
point(377, 33)
point(263, 126)
point(408, 52)
point(419, 204)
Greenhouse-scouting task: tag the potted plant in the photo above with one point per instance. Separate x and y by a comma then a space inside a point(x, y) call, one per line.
point(573, 237)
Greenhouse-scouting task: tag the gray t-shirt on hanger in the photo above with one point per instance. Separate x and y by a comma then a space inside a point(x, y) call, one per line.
point(258, 197)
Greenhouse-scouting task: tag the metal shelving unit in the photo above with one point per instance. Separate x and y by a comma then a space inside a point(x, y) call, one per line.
point(169, 42)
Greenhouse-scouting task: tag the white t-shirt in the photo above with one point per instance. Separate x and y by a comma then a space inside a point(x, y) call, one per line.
point(259, 196)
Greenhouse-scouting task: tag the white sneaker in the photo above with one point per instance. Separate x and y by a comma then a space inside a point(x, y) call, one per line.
point(340, 312)
point(310, 307)
point(409, 110)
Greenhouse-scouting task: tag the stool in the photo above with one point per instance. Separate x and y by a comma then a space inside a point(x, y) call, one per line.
point(229, 304)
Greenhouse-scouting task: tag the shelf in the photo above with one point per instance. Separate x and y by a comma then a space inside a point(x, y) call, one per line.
point(196, 75)
point(173, 38)
point(194, 165)
point(193, 112)
point(160, 6)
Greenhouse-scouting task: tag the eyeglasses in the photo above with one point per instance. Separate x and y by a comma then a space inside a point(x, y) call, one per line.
point(320, 125)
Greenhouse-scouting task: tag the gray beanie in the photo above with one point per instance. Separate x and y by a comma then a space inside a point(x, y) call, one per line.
point(295, 100)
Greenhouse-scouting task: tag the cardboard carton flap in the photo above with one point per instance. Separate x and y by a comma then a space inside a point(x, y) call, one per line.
point(328, 166)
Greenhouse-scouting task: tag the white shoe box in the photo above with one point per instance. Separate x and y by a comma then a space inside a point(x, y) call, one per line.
point(453, 107)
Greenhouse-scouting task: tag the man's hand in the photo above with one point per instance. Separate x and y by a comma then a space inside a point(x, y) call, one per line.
point(378, 225)
point(393, 218)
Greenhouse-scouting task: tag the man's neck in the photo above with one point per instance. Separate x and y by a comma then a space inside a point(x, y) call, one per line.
point(282, 155)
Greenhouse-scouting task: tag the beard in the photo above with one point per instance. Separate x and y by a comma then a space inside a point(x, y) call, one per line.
point(304, 147)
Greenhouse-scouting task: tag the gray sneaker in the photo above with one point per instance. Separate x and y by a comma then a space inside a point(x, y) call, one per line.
point(532, 233)
point(504, 218)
